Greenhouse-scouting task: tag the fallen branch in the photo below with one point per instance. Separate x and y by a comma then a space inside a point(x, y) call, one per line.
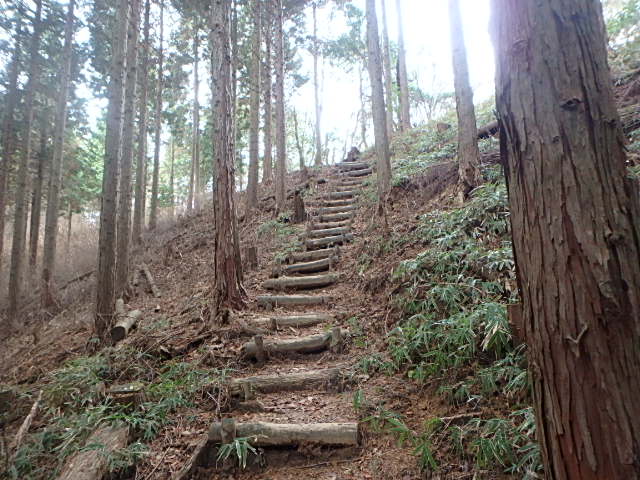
point(152, 284)
point(26, 424)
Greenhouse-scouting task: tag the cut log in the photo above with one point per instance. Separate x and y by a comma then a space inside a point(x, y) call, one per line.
point(127, 394)
point(92, 463)
point(337, 203)
point(262, 434)
point(349, 182)
point(328, 232)
point(317, 255)
point(152, 284)
point(308, 267)
point(325, 225)
point(300, 283)
point(329, 241)
point(299, 321)
point(336, 217)
point(124, 324)
point(291, 300)
point(352, 166)
point(287, 382)
point(299, 213)
point(308, 344)
point(358, 173)
point(330, 210)
point(342, 195)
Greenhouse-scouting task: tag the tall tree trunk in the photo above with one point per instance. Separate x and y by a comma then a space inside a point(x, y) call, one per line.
point(363, 110)
point(388, 73)
point(55, 177)
point(574, 218)
point(403, 80)
point(281, 145)
point(141, 157)
point(36, 198)
point(22, 180)
point(254, 106)
point(316, 88)
point(303, 165)
point(194, 181)
point(106, 275)
point(126, 161)
point(153, 214)
point(8, 135)
point(267, 161)
point(377, 102)
point(69, 226)
point(227, 289)
point(468, 152)
point(172, 193)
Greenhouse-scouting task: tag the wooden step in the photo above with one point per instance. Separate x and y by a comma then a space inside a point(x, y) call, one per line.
point(300, 283)
point(325, 225)
point(262, 434)
point(358, 173)
point(299, 257)
point(342, 181)
point(352, 165)
point(328, 241)
point(336, 217)
point(328, 210)
point(299, 321)
point(342, 195)
point(307, 380)
point(328, 232)
point(305, 267)
point(260, 347)
point(291, 300)
point(338, 203)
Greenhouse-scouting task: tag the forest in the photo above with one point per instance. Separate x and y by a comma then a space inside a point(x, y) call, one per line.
point(328, 239)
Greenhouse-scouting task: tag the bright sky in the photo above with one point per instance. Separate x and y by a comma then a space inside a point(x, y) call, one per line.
point(426, 29)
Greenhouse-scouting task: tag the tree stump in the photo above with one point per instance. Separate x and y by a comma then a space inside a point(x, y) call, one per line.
point(299, 213)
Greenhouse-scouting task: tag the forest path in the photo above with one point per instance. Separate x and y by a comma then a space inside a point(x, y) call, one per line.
point(296, 404)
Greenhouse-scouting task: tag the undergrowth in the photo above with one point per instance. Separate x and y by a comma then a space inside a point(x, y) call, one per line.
point(75, 405)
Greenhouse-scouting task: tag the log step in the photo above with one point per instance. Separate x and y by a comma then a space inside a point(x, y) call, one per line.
point(328, 232)
point(307, 267)
point(287, 382)
point(327, 210)
point(300, 283)
point(358, 173)
point(337, 217)
point(327, 225)
point(337, 203)
point(292, 300)
point(263, 434)
point(342, 195)
point(309, 344)
point(352, 165)
point(348, 181)
point(328, 241)
point(295, 321)
point(316, 255)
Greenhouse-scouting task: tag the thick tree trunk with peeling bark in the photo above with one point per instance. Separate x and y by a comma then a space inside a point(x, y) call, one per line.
point(267, 161)
point(22, 179)
point(377, 100)
point(574, 216)
point(403, 79)
point(254, 107)
point(106, 276)
point(126, 160)
point(227, 291)
point(281, 144)
point(468, 152)
point(55, 178)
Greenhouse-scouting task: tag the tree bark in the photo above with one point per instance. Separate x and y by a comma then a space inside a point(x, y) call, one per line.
point(316, 88)
point(8, 134)
point(403, 80)
point(228, 291)
point(281, 145)
point(172, 192)
point(254, 107)
point(141, 158)
point(388, 73)
point(468, 152)
point(363, 111)
point(153, 214)
point(378, 107)
point(195, 180)
point(22, 180)
point(303, 166)
point(106, 276)
point(574, 218)
point(126, 160)
point(36, 199)
point(267, 161)
point(55, 178)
